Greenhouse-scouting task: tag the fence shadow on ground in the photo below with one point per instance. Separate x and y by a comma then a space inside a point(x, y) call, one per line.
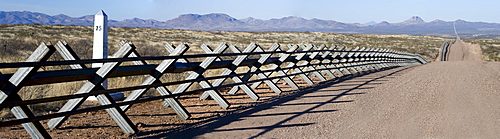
point(193, 130)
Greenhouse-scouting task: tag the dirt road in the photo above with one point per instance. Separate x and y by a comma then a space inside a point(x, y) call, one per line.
point(461, 51)
point(453, 99)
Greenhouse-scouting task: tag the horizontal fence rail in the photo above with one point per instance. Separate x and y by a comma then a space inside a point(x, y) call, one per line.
point(445, 49)
point(286, 63)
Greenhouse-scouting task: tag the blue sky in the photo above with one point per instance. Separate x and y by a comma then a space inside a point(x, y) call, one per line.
point(349, 11)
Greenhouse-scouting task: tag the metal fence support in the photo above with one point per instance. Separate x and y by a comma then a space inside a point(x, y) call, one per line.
point(8, 92)
point(105, 99)
point(198, 74)
point(232, 70)
point(303, 61)
point(257, 68)
point(276, 67)
point(299, 58)
point(325, 62)
point(155, 78)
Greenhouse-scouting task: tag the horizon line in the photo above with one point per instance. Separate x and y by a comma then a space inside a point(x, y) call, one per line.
point(251, 17)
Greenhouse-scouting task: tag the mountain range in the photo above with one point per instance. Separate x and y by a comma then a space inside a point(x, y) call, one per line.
point(223, 22)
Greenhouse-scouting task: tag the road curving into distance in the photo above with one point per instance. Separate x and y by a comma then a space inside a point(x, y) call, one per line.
point(449, 99)
point(458, 98)
point(461, 51)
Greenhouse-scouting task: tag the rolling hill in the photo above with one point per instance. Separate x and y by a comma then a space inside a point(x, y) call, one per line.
point(223, 22)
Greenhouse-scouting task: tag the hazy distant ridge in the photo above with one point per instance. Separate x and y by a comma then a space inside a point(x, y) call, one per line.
point(219, 21)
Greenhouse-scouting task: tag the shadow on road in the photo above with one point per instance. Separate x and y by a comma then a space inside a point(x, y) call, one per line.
point(211, 125)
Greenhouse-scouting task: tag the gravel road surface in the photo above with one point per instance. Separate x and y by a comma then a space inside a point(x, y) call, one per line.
point(452, 99)
point(461, 51)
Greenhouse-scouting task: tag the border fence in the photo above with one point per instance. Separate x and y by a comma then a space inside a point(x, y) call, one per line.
point(445, 49)
point(286, 63)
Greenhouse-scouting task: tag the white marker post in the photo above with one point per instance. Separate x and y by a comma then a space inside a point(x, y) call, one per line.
point(100, 48)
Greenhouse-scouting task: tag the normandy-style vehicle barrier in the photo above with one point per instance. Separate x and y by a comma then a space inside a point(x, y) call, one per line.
point(445, 49)
point(286, 63)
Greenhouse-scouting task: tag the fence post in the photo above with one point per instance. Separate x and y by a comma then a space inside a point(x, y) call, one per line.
point(198, 74)
point(333, 62)
point(256, 68)
point(298, 58)
point(155, 78)
point(358, 61)
point(9, 91)
point(276, 67)
point(342, 62)
point(366, 58)
point(326, 61)
point(231, 70)
point(374, 56)
point(105, 99)
point(312, 60)
point(351, 60)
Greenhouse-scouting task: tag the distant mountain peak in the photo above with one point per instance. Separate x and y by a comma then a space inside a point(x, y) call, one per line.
point(414, 20)
point(383, 23)
point(252, 21)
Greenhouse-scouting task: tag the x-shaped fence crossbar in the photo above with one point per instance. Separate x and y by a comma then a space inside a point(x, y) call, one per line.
point(306, 62)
